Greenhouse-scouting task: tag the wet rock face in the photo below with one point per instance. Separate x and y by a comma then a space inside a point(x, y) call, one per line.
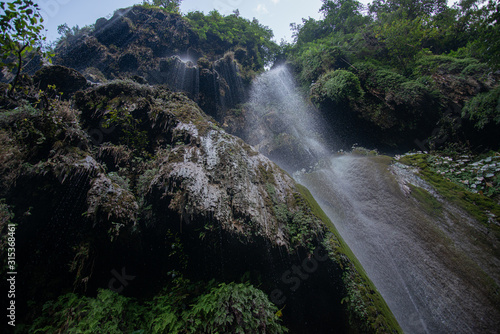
point(108, 200)
point(221, 179)
point(201, 172)
point(116, 31)
point(137, 179)
point(131, 42)
point(150, 43)
point(215, 86)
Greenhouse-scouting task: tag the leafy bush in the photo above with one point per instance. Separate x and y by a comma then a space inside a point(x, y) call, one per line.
point(219, 34)
point(413, 94)
point(317, 59)
point(169, 5)
point(132, 136)
point(484, 108)
point(109, 312)
point(338, 86)
point(226, 308)
point(385, 80)
point(476, 70)
point(234, 308)
point(443, 64)
point(405, 38)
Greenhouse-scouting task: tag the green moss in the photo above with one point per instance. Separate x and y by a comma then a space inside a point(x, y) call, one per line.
point(477, 205)
point(363, 151)
point(266, 174)
point(429, 203)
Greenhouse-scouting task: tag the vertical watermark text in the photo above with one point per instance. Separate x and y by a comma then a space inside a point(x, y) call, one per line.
point(11, 274)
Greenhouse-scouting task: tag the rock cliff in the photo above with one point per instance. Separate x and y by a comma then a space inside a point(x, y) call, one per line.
point(136, 181)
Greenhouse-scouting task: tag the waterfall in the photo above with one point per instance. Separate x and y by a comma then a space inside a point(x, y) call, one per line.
point(424, 263)
point(216, 87)
point(179, 75)
point(282, 124)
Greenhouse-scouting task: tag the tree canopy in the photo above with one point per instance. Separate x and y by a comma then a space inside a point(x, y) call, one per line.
point(407, 56)
point(169, 5)
point(234, 32)
point(20, 34)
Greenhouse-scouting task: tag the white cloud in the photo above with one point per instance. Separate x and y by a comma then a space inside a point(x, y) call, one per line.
point(275, 1)
point(262, 9)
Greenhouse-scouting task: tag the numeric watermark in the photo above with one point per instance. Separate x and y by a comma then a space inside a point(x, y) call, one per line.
point(11, 274)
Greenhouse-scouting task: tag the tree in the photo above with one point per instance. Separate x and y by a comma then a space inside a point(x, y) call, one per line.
point(483, 22)
point(170, 5)
point(232, 32)
point(20, 35)
point(63, 30)
point(308, 31)
point(343, 15)
point(403, 38)
point(408, 8)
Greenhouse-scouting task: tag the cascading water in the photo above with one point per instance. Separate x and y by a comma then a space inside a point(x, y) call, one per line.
point(433, 265)
point(179, 75)
point(282, 124)
point(216, 86)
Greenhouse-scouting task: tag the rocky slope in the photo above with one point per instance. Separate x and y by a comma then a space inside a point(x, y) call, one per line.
point(136, 182)
point(150, 45)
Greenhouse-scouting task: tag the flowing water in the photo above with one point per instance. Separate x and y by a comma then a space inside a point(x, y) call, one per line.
point(434, 265)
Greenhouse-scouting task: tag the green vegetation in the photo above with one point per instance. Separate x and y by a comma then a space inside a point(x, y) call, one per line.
point(109, 312)
point(429, 202)
point(338, 86)
point(250, 41)
point(132, 136)
point(234, 308)
point(461, 189)
point(70, 35)
point(20, 36)
point(180, 308)
point(301, 224)
point(413, 66)
point(169, 5)
point(484, 109)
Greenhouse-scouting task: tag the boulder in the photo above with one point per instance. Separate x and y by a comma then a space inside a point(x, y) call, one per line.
point(66, 80)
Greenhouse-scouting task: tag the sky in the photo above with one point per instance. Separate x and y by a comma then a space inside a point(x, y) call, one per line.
point(275, 14)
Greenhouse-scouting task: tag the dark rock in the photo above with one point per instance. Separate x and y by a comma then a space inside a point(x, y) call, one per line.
point(66, 80)
point(84, 53)
point(128, 62)
point(100, 24)
point(148, 43)
point(117, 31)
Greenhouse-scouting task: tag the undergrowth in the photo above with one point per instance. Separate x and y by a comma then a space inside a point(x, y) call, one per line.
point(223, 308)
